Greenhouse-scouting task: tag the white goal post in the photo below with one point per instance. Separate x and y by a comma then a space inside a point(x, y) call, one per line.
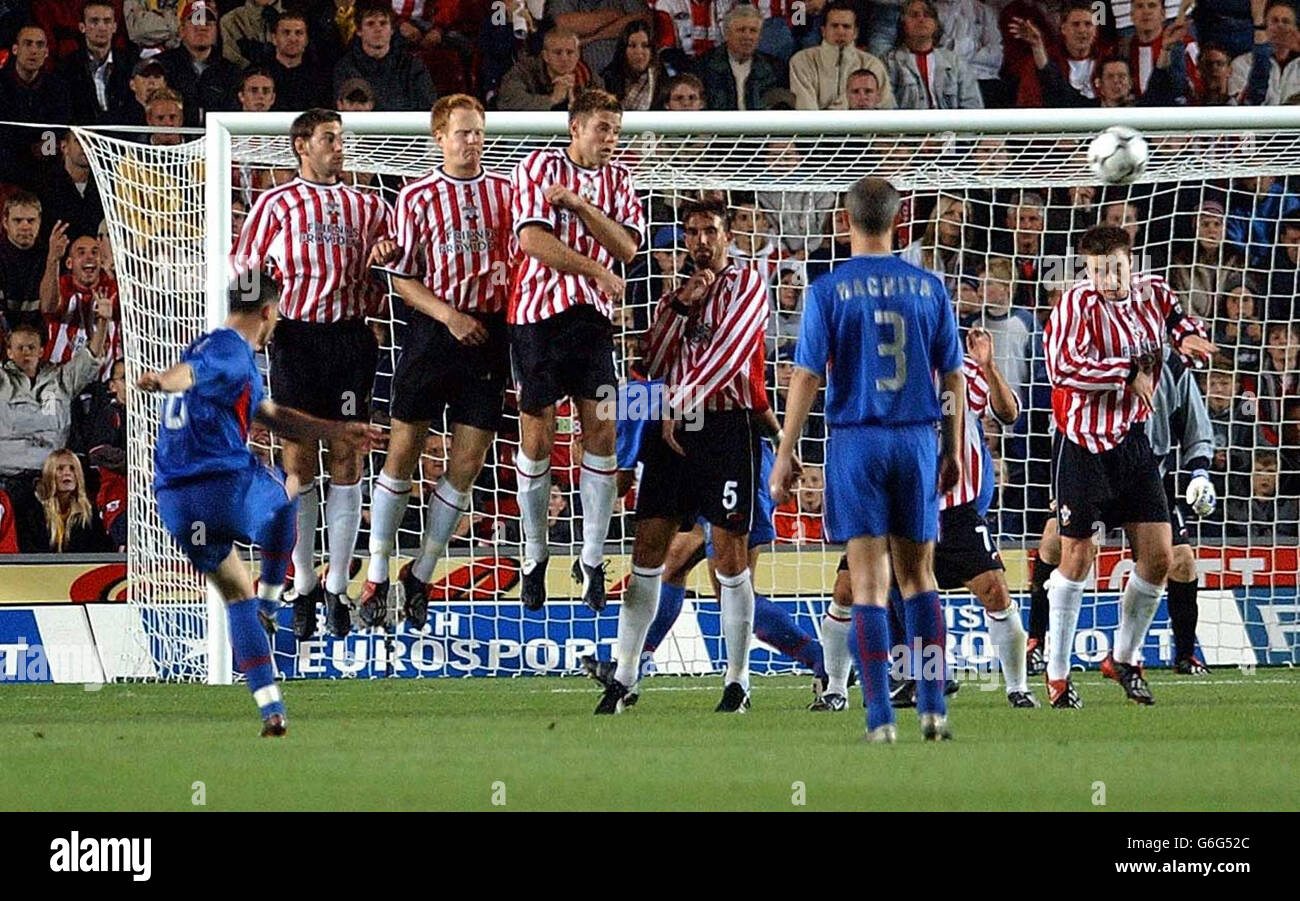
point(930, 153)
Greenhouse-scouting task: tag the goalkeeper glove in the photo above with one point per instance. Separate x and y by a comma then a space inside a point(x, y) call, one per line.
point(1200, 494)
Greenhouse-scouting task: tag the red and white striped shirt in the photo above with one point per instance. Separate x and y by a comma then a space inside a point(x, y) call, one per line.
point(698, 23)
point(715, 356)
point(542, 292)
point(973, 448)
point(319, 238)
point(69, 327)
point(455, 233)
point(1089, 344)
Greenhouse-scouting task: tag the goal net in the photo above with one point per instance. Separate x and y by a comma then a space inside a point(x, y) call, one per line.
point(994, 202)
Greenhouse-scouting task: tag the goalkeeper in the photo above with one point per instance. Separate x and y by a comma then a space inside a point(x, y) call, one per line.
point(1178, 409)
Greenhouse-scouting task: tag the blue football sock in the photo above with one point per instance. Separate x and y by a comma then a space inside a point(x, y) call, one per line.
point(925, 622)
point(869, 644)
point(897, 624)
point(253, 655)
point(776, 627)
point(670, 605)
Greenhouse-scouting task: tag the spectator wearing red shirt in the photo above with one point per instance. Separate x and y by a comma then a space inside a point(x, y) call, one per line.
point(802, 524)
point(8, 525)
point(68, 301)
point(1074, 56)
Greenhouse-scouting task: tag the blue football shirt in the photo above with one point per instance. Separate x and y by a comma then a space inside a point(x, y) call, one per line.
point(878, 329)
point(205, 428)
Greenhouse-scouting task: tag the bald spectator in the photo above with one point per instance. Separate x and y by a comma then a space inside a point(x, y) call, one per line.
point(819, 75)
point(400, 81)
point(598, 24)
point(301, 83)
point(195, 69)
point(27, 94)
point(924, 75)
point(548, 81)
point(736, 75)
point(246, 31)
point(22, 261)
point(96, 75)
point(70, 300)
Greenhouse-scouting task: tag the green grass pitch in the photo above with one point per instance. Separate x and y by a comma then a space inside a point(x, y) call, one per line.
point(1227, 742)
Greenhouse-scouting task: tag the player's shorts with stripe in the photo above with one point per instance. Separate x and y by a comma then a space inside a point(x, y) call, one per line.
point(207, 515)
point(1114, 487)
point(964, 549)
point(437, 373)
point(570, 354)
point(763, 531)
point(716, 479)
point(326, 369)
point(1179, 514)
point(882, 480)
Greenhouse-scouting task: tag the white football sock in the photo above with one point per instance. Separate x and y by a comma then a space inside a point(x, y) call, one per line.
point(737, 604)
point(596, 487)
point(387, 507)
point(445, 510)
point(635, 614)
point(836, 625)
point(1137, 609)
point(1064, 599)
point(304, 548)
point(534, 477)
point(342, 522)
point(1007, 633)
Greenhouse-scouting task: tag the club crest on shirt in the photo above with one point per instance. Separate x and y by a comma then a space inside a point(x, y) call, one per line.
point(1064, 514)
point(699, 334)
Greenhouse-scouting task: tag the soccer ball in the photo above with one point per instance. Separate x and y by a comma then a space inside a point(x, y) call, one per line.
point(1118, 154)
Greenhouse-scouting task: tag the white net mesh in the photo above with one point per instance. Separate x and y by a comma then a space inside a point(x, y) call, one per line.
point(997, 215)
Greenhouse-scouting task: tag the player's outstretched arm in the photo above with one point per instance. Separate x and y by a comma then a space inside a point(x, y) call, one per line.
point(954, 420)
point(804, 385)
point(178, 378)
point(538, 242)
point(299, 426)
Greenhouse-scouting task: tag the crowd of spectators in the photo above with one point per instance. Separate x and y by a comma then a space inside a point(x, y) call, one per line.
point(1231, 249)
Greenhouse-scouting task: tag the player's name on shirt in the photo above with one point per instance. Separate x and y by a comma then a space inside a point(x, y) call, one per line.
point(884, 286)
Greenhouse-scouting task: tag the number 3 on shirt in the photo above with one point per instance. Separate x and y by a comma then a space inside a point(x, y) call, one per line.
point(896, 349)
point(174, 414)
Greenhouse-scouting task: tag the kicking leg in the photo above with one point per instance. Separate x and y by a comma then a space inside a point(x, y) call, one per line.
point(248, 641)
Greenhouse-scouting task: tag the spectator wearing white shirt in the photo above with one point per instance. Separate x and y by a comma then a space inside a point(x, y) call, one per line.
point(819, 75)
point(1277, 49)
point(970, 31)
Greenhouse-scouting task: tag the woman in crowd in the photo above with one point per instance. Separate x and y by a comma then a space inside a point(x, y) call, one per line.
point(72, 523)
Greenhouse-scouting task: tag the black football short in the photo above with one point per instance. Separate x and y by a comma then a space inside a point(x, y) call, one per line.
point(1115, 487)
point(715, 479)
point(964, 549)
point(570, 354)
point(436, 373)
point(326, 369)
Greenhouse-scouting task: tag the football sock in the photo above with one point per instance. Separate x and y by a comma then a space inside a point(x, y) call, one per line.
point(836, 626)
point(778, 628)
point(596, 487)
point(1038, 604)
point(446, 508)
point(342, 522)
point(387, 507)
point(252, 653)
point(635, 614)
point(1136, 610)
point(1183, 614)
point(534, 490)
point(1065, 599)
point(869, 644)
point(670, 606)
point(1008, 636)
point(276, 540)
point(924, 615)
point(737, 603)
point(304, 549)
